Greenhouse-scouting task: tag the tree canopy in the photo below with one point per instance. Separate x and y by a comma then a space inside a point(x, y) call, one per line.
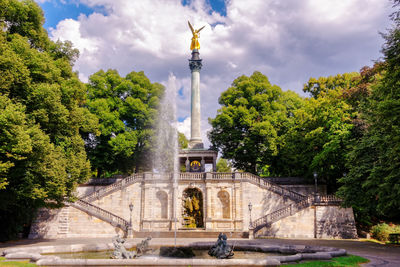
point(223, 165)
point(373, 162)
point(254, 115)
point(127, 109)
point(42, 154)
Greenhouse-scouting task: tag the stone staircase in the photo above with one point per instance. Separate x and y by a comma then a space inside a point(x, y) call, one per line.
point(273, 187)
point(63, 222)
point(100, 213)
point(300, 201)
point(288, 210)
point(85, 205)
point(106, 190)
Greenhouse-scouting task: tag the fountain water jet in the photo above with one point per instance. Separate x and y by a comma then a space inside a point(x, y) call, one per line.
point(166, 154)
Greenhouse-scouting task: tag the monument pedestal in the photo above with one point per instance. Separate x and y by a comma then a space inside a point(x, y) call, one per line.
point(195, 159)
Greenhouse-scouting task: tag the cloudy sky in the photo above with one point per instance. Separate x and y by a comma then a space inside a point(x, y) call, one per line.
point(287, 40)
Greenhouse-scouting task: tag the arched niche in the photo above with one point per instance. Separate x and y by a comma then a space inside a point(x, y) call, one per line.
point(225, 204)
point(192, 207)
point(162, 197)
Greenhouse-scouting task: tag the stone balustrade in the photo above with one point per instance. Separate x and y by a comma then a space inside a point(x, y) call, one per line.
point(101, 213)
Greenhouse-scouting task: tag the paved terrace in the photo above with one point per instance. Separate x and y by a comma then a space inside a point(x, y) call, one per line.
point(379, 255)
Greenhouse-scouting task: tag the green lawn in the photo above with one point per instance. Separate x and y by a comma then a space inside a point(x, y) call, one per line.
point(350, 260)
point(347, 261)
point(15, 263)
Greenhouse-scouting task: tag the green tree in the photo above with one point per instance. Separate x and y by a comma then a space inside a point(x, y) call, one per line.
point(223, 165)
point(372, 185)
point(318, 138)
point(253, 116)
point(42, 154)
point(182, 141)
point(323, 84)
point(126, 108)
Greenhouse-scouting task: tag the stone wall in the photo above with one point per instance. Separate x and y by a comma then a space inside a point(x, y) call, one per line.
point(225, 208)
point(299, 225)
point(335, 222)
point(263, 202)
point(46, 224)
point(315, 221)
point(82, 224)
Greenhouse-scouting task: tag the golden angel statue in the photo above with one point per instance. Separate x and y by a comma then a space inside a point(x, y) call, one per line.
point(195, 39)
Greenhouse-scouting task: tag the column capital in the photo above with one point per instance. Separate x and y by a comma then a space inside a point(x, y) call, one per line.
point(195, 65)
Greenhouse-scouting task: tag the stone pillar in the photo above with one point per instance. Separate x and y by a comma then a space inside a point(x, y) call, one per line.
point(208, 201)
point(251, 233)
point(175, 216)
point(195, 130)
point(187, 165)
point(214, 164)
point(142, 204)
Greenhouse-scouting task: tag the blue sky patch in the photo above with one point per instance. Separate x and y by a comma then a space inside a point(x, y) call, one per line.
point(55, 11)
point(181, 119)
point(180, 92)
point(218, 6)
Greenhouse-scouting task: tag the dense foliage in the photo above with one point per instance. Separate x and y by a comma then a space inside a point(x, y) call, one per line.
point(319, 132)
point(126, 108)
point(42, 114)
point(223, 165)
point(253, 117)
point(347, 131)
point(382, 231)
point(373, 162)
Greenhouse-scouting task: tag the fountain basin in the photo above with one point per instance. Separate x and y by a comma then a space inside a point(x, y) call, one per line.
point(299, 252)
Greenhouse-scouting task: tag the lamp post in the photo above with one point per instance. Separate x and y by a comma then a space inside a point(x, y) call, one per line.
point(250, 208)
point(251, 229)
point(130, 219)
point(316, 186)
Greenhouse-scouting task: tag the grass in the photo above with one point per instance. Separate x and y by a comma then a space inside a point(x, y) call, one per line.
point(349, 260)
point(15, 263)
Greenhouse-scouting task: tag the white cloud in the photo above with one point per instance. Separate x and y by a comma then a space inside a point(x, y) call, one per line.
point(184, 127)
point(289, 41)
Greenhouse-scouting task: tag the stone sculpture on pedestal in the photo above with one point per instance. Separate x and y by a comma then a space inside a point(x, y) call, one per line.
point(221, 249)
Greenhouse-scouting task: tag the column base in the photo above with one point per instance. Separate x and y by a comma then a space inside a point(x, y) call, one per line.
point(196, 144)
point(251, 233)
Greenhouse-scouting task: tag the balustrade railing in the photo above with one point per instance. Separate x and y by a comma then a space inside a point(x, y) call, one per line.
point(101, 213)
point(292, 209)
point(270, 186)
point(245, 176)
point(192, 175)
point(328, 199)
point(223, 175)
point(112, 187)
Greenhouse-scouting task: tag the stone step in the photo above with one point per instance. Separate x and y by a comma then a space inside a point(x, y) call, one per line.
point(190, 234)
point(63, 222)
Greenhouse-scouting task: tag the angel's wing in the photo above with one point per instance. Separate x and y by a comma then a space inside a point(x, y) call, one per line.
point(201, 28)
point(191, 27)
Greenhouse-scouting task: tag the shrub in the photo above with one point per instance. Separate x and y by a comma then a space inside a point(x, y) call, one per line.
point(381, 231)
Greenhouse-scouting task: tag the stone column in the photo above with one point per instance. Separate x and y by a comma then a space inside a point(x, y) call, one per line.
point(195, 130)
point(208, 201)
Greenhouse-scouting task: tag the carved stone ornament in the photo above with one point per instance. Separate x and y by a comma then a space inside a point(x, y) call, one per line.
point(195, 65)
